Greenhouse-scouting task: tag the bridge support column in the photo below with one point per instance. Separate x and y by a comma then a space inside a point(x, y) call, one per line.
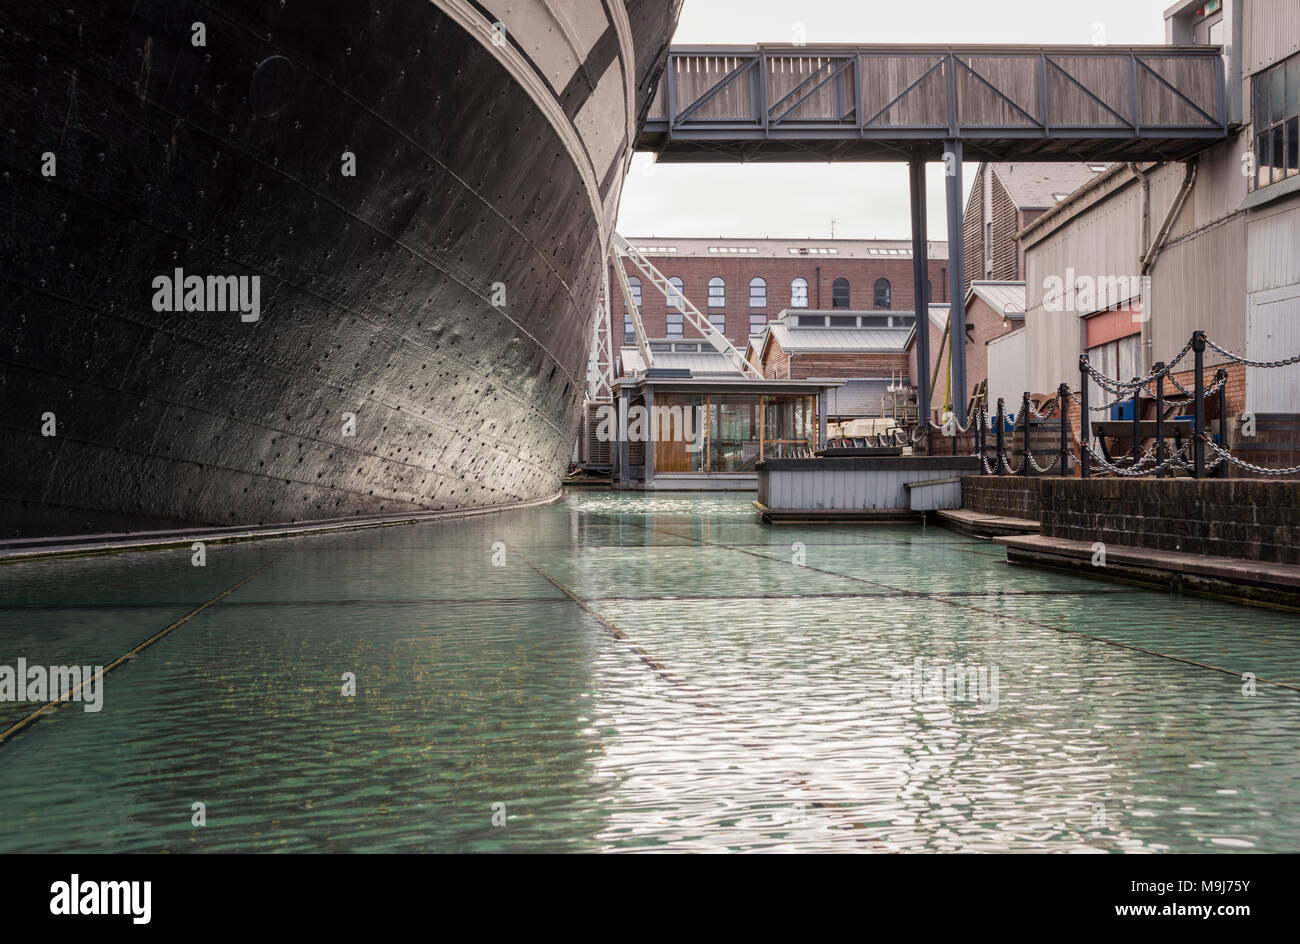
point(920, 284)
point(652, 430)
point(957, 276)
point(624, 453)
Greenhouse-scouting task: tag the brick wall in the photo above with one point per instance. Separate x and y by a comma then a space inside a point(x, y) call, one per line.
point(803, 366)
point(1006, 496)
point(738, 270)
point(1247, 519)
point(1236, 388)
point(776, 362)
point(1251, 519)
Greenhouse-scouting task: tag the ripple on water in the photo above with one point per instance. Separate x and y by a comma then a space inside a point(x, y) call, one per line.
point(713, 695)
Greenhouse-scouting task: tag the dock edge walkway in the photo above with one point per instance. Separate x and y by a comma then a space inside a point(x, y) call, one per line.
point(1242, 581)
point(982, 525)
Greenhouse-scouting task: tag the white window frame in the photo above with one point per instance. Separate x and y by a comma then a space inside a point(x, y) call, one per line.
point(796, 299)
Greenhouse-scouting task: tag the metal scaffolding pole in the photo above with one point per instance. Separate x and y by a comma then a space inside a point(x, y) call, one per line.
point(957, 276)
point(920, 282)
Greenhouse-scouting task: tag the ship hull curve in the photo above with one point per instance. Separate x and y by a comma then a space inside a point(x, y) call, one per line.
point(427, 240)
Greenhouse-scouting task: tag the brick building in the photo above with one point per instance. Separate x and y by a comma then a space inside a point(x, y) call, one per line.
point(993, 309)
point(865, 350)
point(1004, 199)
point(742, 284)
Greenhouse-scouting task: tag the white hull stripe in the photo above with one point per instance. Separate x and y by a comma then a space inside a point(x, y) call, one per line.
point(474, 23)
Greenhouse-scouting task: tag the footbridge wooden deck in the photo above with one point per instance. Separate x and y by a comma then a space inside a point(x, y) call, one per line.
point(894, 103)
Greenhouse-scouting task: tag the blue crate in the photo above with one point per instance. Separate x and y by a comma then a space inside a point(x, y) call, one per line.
point(1122, 411)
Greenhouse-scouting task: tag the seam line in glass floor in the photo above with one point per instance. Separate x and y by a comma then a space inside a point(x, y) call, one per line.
point(660, 670)
point(640, 651)
point(55, 704)
point(949, 602)
point(520, 601)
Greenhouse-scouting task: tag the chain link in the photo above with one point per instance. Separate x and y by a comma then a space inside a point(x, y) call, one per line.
point(1169, 365)
point(1249, 363)
point(1039, 469)
point(1225, 454)
point(1126, 391)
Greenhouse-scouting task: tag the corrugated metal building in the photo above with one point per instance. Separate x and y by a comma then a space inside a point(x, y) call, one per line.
point(1217, 237)
point(1005, 198)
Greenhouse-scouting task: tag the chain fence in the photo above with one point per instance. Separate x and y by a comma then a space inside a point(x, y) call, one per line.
point(1187, 457)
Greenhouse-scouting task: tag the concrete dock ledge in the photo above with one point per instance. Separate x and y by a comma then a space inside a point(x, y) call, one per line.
point(1244, 581)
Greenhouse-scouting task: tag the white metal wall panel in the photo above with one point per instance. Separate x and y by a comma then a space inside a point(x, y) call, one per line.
point(1274, 245)
point(1103, 241)
point(1271, 32)
point(1273, 329)
point(935, 497)
point(1274, 334)
point(1200, 283)
point(839, 489)
point(1007, 377)
point(1220, 185)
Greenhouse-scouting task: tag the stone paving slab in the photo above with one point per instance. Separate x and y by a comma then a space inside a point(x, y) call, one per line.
point(985, 525)
point(1245, 580)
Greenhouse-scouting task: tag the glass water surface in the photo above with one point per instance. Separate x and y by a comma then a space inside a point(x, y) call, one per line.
point(623, 672)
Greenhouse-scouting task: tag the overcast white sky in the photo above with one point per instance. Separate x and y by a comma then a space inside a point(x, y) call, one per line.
point(865, 200)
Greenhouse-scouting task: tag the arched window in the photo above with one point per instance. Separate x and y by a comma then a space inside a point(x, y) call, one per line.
point(678, 299)
point(635, 283)
point(799, 293)
point(757, 293)
point(717, 293)
point(840, 293)
point(881, 296)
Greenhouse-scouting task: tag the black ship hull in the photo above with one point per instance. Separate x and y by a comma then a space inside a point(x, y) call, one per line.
point(423, 322)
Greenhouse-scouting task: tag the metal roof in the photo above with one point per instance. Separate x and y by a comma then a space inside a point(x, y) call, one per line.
point(1006, 298)
point(838, 340)
point(703, 364)
point(740, 383)
point(939, 315)
point(780, 248)
point(1038, 186)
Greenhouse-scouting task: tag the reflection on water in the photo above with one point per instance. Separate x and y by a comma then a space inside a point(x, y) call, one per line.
point(707, 694)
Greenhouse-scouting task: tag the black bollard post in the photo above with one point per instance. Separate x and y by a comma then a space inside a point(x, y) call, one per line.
point(1062, 398)
point(1085, 420)
point(1198, 430)
point(1137, 419)
point(1001, 437)
point(1159, 370)
point(1221, 378)
point(1025, 466)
